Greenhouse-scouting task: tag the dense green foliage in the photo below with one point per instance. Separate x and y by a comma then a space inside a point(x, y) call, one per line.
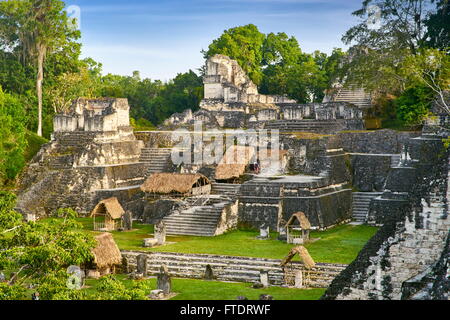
point(12, 137)
point(276, 63)
point(153, 100)
point(406, 49)
point(33, 30)
point(414, 105)
point(40, 253)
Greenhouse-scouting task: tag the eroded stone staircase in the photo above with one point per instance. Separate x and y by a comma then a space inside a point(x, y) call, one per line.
point(227, 189)
point(200, 219)
point(156, 159)
point(355, 96)
point(361, 205)
point(229, 268)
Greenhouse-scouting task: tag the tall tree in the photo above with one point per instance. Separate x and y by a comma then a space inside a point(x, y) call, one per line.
point(34, 29)
point(438, 27)
point(378, 50)
point(242, 44)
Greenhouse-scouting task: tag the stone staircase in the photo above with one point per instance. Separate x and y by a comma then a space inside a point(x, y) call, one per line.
point(355, 96)
point(156, 159)
point(361, 205)
point(229, 268)
point(74, 139)
point(227, 189)
point(197, 220)
point(318, 126)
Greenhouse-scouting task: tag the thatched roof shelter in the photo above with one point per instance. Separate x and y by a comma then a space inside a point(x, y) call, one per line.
point(110, 207)
point(234, 162)
point(106, 253)
point(166, 183)
point(304, 257)
point(301, 218)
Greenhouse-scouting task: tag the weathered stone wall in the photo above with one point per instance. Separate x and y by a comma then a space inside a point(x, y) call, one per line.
point(384, 141)
point(370, 171)
point(412, 238)
point(273, 203)
point(75, 166)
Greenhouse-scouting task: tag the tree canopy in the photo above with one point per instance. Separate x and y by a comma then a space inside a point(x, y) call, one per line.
point(275, 62)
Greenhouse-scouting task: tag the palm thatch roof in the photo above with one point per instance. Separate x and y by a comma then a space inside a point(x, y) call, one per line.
point(304, 257)
point(106, 253)
point(301, 218)
point(165, 183)
point(234, 162)
point(109, 207)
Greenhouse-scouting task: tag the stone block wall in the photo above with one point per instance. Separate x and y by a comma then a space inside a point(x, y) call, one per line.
point(412, 239)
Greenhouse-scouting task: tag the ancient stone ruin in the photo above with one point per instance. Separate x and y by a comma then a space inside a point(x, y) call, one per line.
point(322, 163)
point(93, 152)
point(231, 100)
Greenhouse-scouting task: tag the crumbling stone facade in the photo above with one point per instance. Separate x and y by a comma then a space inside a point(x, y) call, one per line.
point(92, 151)
point(231, 100)
point(406, 259)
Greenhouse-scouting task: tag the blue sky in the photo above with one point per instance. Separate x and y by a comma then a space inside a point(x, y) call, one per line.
point(163, 38)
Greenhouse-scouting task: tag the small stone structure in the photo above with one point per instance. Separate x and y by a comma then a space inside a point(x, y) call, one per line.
point(164, 282)
point(142, 265)
point(232, 100)
point(209, 274)
point(234, 268)
point(225, 80)
point(160, 233)
point(93, 155)
point(127, 221)
point(264, 232)
point(264, 278)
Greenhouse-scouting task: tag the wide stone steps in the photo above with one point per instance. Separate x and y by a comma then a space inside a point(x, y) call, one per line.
point(229, 268)
point(361, 205)
point(227, 189)
point(156, 159)
point(198, 220)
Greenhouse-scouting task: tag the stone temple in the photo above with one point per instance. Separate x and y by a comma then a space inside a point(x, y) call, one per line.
point(93, 149)
point(231, 100)
point(330, 168)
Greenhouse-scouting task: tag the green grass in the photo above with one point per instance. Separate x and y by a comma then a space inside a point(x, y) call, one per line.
point(34, 144)
point(190, 289)
point(340, 244)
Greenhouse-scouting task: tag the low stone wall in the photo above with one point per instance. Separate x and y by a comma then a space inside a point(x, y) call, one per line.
point(413, 237)
point(228, 268)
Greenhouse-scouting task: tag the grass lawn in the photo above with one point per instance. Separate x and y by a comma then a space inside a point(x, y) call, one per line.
point(190, 289)
point(337, 245)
